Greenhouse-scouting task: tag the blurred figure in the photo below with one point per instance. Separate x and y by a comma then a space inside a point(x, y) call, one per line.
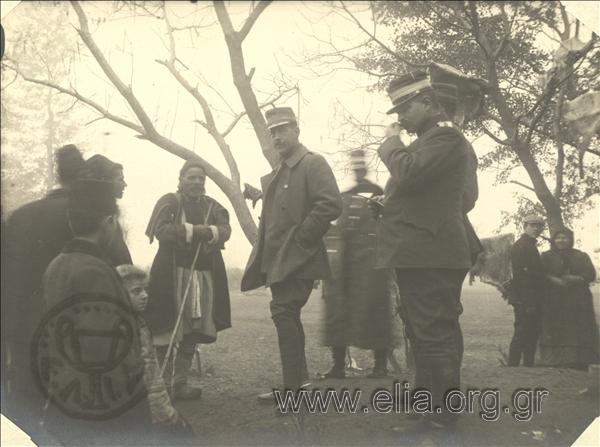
point(166, 419)
point(527, 292)
point(191, 229)
point(569, 331)
point(98, 167)
point(82, 273)
point(34, 235)
point(358, 307)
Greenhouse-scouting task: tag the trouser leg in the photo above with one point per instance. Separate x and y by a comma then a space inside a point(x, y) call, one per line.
point(381, 359)
point(533, 335)
point(177, 370)
point(518, 341)
point(288, 299)
point(432, 309)
point(183, 361)
point(339, 358)
point(303, 367)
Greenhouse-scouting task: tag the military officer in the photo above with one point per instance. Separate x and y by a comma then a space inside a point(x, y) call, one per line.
point(422, 234)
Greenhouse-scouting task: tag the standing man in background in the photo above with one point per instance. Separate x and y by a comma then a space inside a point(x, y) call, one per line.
point(35, 234)
point(527, 291)
point(99, 167)
point(301, 199)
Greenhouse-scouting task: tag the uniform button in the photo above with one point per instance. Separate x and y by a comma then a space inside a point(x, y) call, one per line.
point(285, 186)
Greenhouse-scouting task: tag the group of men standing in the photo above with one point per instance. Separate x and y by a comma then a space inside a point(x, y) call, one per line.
point(422, 233)
point(422, 238)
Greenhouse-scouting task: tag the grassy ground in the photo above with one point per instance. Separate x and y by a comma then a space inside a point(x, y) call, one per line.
point(245, 362)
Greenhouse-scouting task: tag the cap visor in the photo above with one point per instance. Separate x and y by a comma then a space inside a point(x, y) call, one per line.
point(281, 123)
point(402, 102)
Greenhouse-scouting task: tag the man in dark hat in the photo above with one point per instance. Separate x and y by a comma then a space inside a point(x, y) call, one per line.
point(422, 234)
point(527, 292)
point(35, 234)
point(191, 229)
point(301, 199)
point(81, 284)
point(98, 167)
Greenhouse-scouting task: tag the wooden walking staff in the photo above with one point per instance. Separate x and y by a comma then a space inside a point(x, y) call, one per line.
point(184, 299)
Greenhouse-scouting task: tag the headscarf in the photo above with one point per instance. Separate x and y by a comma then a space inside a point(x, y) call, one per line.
point(559, 262)
point(565, 232)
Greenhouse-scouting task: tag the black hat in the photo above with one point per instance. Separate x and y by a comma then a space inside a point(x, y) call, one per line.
point(93, 196)
point(279, 116)
point(69, 163)
point(445, 92)
point(406, 87)
point(98, 167)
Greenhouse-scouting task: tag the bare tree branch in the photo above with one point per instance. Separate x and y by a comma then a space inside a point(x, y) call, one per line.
point(269, 102)
point(125, 91)
point(209, 124)
point(94, 105)
point(375, 39)
point(252, 18)
point(490, 134)
point(522, 185)
point(242, 82)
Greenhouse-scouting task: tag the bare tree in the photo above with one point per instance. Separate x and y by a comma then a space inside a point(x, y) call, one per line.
point(142, 123)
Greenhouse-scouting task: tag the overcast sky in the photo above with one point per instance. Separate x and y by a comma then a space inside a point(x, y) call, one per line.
point(281, 35)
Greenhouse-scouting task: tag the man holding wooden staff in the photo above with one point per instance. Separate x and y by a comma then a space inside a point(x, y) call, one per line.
point(188, 292)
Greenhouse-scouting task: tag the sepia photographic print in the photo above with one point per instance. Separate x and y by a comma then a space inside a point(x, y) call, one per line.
point(312, 223)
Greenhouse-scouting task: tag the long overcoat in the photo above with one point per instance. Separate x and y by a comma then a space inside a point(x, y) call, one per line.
point(306, 203)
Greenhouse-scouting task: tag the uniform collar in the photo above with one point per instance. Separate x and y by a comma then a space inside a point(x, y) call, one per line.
point(433, 122)
point(296, 156)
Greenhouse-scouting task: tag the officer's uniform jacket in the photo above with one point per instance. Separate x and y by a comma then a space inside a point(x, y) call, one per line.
point(422, 223)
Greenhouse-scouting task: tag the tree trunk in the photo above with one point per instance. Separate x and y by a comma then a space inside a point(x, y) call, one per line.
point(243, 214)
point(242, 83)
point(49, 143)
point(509, 126)
point(543, 193)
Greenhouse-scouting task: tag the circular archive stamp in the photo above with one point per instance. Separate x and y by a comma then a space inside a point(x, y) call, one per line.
point(86, 357)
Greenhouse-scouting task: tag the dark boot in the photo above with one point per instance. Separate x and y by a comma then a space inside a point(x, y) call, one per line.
point(446, 377)
point(529, 357)
point(514, 354)
point(182, 390)
point(338, 370)
point(380, 369)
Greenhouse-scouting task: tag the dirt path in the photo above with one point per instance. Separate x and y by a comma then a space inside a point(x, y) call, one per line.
point(245, 362)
